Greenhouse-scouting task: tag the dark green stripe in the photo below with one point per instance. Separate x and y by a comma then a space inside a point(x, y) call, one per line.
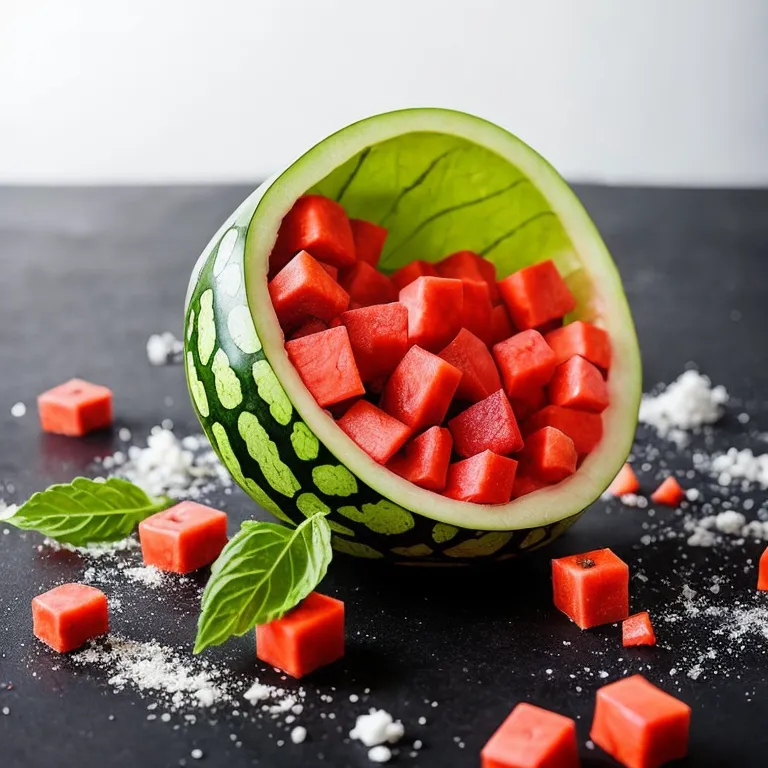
point(355, 170)
point(514, 231)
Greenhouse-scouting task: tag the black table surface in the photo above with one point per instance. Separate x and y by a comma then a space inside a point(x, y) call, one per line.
point(88, 275)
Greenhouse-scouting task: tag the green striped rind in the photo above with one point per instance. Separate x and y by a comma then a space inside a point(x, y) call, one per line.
point(274, 456)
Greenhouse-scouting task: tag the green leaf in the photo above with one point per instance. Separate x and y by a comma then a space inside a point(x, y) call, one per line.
point(86, 511)
point(430, 190)
point(263, 572)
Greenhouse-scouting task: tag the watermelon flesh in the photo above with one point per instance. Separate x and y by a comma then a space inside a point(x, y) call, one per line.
point(434, 348)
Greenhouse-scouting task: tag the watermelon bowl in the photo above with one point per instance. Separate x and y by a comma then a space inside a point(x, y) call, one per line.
point(439, 181)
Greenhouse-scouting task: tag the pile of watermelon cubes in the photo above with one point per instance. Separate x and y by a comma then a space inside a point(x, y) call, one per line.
point(462, 384)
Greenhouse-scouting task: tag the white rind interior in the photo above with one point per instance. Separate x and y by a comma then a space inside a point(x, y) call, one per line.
point(275, 197)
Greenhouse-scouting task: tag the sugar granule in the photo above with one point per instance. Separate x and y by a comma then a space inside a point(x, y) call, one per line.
point(377, 727)
point(18, 410)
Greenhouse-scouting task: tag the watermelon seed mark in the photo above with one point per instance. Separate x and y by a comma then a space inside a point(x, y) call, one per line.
point(586, 562)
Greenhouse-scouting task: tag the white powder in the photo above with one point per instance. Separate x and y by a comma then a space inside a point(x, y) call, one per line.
point(380, 754)
point(164, 348)
point(96, 551)
point(735, 464)
point(704, 531)
point(298, 734)
point(258, 692)
point(18, 410)
point(688, 403)
point(151, 666)
point(196, 754)
point(167, 468)
point(377, 727)
point(147, 575)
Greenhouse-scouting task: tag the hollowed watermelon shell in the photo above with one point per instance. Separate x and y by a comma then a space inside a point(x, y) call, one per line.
point(440, 181)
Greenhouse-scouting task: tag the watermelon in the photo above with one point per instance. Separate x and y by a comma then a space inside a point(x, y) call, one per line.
point(496, 198)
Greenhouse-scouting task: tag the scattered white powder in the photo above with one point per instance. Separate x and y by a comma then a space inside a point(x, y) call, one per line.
point(96, 551)
point(150, 666)
point(258, 692)
point(298, 734)
point(380, 754)
point(687, 403)
point(164, 348)
point(18, 410)
point(736, 465)
point(168, 466)
point(377, 727)
point(704, 531)
point(147, 575)
point(7, 510)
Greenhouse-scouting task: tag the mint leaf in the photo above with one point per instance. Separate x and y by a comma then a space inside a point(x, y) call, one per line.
point(87, 512)
point(265, 570)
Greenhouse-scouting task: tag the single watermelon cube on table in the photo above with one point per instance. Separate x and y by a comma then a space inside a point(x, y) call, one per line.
point(426, 459)
point(380, 435)
point(366, 285)
point(536, 295)
point(485, 478)
point(369, 240)
point(638, 630)
point(379, 338)
point(420, 390)
point(525, 361)
point(68, 616)
point(640, 725)
point(318, 225)
point(532, 737)
point(75, 408)
point(184, 538)
point(308, 637)
point(304, 290)
point(407, 274)
point(435, 306)
point(479, 375)
point(591, 588)
point(327, 366)
point(489, 425)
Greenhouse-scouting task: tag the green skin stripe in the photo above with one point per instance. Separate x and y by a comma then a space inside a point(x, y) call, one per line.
point(415, 185)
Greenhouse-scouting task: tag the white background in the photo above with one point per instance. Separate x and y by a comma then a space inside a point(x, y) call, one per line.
point(651, 91)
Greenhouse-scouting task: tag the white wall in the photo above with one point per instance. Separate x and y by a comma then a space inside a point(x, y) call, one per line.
point(652, 91)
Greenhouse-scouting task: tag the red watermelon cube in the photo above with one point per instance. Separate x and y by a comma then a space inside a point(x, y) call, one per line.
point(549, 455)
point(480, 377)
point(526, 362)
point(369, 240)
point(584, 428)
point(435, 306)
point(366, 285)
point(578, 384)
point(380, 435)
point(486, 478)
point(489, 425)
point(426, 459)
point(535, 295)
point(407, 274)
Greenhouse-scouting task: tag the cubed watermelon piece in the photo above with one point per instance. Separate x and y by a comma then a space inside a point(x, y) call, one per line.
point(407, 274)
point(640, 725)
point(501, 325)
point(477, 309)
point(380, 435)
point(489, 425)
point(69, 615)
point(668, 493)
point(525, 483)
point(637, 630)
point(535, 295)
point(435, 307)
point(549, 454)
point(309, 636)
point(303, 289)
point(625, 482)
point(528, 403)
point(470, 355)
point(582, 339)
point(526, 362)
point(308, 327)
point(318, 225)
point(420, 389)
point(75, 408)
point(486, 478)
point(468, 265)
point(326, 365)
point(366, 285)
point(532, 737)
point(584, 428)
point(425, 459)
point(379, 338)
point(330, 269)
point(578, 384)
point(592, 588)
point(369, 240)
